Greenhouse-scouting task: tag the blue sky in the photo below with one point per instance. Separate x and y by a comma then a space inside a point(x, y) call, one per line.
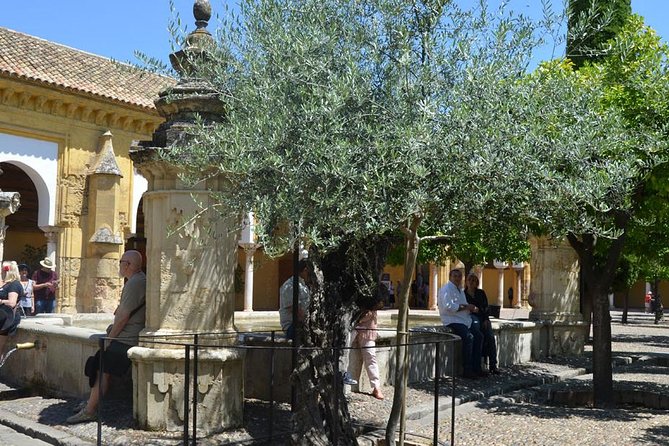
point(117, 28)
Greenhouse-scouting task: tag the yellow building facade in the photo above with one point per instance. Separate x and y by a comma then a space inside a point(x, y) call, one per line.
point(67, 120)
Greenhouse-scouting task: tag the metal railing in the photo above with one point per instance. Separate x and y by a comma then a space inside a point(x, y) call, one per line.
point(191, 360)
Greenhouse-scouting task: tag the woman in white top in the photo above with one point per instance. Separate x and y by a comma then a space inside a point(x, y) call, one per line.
point(27, 302)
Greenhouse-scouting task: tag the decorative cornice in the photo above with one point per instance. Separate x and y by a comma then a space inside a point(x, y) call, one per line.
point(28, 98)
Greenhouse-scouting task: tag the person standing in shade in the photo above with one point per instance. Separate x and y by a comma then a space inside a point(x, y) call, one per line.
point(457, 314)
point(478, 298)
point(44, 288)
point(129, 320)
point(27, 302)
point(286, 299)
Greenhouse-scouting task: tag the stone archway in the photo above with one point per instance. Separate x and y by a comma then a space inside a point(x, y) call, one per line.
point(26, 242)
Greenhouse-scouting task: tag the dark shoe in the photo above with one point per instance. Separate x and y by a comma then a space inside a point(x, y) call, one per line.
point(495, 371)
point(470, 375)
point(482, 374)
point(348, 380)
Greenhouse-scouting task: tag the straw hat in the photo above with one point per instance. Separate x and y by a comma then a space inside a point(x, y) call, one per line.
point(47, 263)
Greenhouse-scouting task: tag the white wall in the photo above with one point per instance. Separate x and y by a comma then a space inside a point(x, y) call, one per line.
point(39, 160)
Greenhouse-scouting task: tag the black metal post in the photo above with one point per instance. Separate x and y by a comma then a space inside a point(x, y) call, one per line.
point(101, 363)
point(271, 389)
point(337, 381)
point(195, 391)
point(437, 372)
point(453, 393)
point(186, 392)
point(296, 322)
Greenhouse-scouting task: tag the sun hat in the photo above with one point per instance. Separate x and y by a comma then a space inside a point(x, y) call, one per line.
point(47, 263)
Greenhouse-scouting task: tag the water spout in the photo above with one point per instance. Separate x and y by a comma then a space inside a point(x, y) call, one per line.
point(22, 346)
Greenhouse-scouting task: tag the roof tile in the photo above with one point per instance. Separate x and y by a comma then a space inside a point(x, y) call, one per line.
point(35, 59)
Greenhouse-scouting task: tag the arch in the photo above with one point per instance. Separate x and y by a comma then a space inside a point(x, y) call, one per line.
point(39, 160)
point(139, 186)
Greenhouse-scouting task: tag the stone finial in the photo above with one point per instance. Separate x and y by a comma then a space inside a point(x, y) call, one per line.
point(202, 13)
point(197, 41)
point(106, 160)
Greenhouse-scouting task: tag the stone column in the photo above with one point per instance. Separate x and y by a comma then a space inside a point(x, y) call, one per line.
point(51, 233)
point(501, 266)
point(518, 267)
point(554, 296)
point(249, 252)
point(9, 203)
point(434, 287)
point(191, 258)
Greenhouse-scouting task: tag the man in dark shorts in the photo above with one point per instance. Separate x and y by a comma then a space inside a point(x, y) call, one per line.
point(129, 320)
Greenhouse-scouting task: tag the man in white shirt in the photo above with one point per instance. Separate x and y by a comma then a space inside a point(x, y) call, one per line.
point(456, 314)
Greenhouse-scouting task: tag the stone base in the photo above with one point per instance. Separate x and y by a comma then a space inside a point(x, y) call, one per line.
point(158, 375)
point(561, 339)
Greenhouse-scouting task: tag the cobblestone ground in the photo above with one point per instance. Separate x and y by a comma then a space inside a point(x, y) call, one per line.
point(518, 417)
point(509, 420)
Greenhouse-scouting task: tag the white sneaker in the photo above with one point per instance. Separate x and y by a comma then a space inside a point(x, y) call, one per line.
point(81, 417)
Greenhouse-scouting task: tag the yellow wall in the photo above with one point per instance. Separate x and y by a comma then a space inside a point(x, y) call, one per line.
point(76, 123)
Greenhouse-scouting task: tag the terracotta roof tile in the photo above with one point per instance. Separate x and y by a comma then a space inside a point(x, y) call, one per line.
point(39, 60)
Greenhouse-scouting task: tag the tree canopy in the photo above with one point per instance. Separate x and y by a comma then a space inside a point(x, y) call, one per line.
point(347, 121)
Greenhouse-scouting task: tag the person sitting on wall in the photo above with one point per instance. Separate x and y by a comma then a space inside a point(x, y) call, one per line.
point(456, 313)
point(44, 288)
point(478, 298)
point(129, 320)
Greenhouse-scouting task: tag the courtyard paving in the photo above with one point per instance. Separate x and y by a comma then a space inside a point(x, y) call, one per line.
point(509, 409)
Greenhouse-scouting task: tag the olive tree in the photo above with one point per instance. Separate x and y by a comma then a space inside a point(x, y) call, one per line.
point(349, 121)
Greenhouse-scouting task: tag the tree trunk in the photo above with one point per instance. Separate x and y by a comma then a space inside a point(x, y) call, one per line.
point(346, 276)
point(397, 411)
point(597, 280)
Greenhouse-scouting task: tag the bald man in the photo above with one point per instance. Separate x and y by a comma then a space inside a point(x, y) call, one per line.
point(129, 320)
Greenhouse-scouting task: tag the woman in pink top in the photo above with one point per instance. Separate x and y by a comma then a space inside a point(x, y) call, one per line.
point(365, 338)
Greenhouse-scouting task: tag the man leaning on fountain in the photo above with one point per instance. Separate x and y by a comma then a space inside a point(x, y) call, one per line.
point(129, 320)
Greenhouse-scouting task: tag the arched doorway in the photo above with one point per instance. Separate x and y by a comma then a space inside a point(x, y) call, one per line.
point(25, 241)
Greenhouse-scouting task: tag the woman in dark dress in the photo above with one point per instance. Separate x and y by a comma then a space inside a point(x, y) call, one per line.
point(10, 293)
point(477, 297)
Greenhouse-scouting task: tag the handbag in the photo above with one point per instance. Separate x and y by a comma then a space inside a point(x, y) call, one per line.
point(7, 316)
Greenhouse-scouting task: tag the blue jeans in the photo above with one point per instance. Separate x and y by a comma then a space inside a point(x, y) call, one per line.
point(45, 306)
point(472, 342)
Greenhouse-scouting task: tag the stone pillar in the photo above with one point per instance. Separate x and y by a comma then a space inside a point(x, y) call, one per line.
point(554, 296)
point(518, 267)
point(191, 259)
point(9, 203)
point(103, 234)
point(501, 266)
point(51, 233)
point(249, 252)
point(434, 282)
